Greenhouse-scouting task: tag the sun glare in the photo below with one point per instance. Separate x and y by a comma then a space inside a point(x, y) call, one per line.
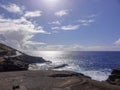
point(50, 53)
point(51, 2)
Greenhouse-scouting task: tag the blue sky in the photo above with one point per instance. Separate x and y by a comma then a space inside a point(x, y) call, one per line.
point(84, 25)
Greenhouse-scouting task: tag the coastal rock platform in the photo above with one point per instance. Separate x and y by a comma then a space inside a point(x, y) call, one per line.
point(50, 80)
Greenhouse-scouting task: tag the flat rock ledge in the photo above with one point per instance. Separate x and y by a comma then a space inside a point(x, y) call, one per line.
point(50, 80)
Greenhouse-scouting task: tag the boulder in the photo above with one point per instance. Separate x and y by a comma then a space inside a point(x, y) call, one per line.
point(114, 78)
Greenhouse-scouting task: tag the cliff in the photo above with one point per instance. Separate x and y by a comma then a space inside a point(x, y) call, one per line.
point(10, 61)
point(6, 50)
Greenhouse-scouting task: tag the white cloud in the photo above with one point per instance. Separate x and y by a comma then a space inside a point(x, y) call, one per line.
point(55, 28)
point(86, 22)
point(19, 32)
point(79, 47)
point(30, 14)
point(12, 8)
point(32, 45)
point(76, 47)
point(70, 27)
point(66, 28)
point(92, 16)
point(117, 42)
point(55, 23)
point(17, 24)
point(61, 13)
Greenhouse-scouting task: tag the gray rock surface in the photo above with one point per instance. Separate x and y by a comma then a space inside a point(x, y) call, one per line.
point(50, 80)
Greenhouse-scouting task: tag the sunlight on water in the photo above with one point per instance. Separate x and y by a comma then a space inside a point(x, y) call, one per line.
point(50, 53)
point(97, 65)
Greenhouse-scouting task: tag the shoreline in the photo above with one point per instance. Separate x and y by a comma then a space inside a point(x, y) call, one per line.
point(14, 75)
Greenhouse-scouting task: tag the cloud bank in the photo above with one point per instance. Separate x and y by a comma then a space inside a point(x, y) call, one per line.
point(19, 32)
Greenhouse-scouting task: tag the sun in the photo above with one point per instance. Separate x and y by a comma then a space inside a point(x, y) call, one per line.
point(51, 2)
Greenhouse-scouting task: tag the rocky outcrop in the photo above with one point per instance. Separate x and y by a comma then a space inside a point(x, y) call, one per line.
point(10, 61)
point(6, 50)
point(114, 78)
point(60, 66)
point(28, 59)
point(11, 65)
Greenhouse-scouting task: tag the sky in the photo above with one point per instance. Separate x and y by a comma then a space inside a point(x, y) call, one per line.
point(60, 25)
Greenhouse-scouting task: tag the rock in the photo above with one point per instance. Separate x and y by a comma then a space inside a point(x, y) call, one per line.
point(60, 66)
point(11, 61)
point(16, 87)
point(11, 65)
point(2, 53)
point(41, 80)
point(6, 50)
point(68, 75)
point(28, 59)
point(18, 63)
point(116, 71)
point(114, 78)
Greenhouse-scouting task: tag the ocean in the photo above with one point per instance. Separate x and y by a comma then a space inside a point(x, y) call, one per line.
point(96, 64)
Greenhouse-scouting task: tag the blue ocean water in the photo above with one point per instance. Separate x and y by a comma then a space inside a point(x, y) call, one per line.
point(97, 65)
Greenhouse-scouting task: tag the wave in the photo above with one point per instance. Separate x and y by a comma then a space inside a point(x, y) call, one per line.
point(99, 75)
point(97, 65)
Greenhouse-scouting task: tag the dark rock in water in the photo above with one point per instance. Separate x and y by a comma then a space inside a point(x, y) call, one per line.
point(114, 78)
point(60, 66)
point(116, 71)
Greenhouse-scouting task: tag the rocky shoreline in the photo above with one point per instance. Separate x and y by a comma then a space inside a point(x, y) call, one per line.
point(11, 61)
point(23, 79)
